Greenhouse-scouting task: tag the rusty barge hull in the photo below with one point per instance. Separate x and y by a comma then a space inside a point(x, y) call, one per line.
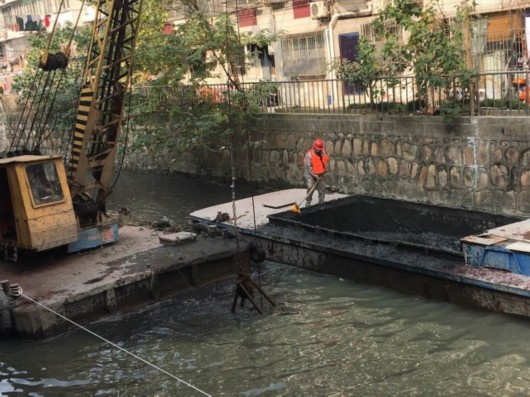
point(410, 247)
point(134, 272)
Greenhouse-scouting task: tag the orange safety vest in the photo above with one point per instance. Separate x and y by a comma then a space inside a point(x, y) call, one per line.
point(319, 164)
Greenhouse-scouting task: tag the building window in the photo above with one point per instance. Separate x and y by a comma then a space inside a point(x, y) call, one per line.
point(368, 31)
point(304, 56)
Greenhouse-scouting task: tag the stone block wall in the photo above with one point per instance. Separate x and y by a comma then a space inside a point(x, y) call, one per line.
point(479, 163)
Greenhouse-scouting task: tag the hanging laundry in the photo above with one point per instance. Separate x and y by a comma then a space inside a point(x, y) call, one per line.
point(20, 24)
point(31, 23)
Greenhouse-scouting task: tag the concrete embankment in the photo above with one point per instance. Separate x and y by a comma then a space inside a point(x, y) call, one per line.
point(132, 272)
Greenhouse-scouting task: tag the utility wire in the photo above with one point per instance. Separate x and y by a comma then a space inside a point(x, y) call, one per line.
point(116, 346)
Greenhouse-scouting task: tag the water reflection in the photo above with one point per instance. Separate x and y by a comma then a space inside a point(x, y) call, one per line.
point(150, 197)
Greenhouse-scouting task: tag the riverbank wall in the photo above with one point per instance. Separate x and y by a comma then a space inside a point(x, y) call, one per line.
point(480, 163)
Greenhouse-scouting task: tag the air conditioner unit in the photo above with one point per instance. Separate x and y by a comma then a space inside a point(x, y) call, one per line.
point(319, 9)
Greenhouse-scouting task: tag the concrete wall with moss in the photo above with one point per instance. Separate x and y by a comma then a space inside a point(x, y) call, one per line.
point(479, 163)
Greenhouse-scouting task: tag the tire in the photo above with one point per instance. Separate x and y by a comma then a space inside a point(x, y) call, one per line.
point(5, 317)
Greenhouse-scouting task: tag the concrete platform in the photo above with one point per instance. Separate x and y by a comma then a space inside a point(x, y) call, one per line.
point(133, 271)
point(254, 211)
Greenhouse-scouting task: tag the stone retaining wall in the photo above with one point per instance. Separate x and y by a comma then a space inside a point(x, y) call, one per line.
point(478, 163)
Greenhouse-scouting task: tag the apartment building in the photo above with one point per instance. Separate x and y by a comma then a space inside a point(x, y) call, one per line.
point(314, 33)
point(20, 19)
point(311, 33)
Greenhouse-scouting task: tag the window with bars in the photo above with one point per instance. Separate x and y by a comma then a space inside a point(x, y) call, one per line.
point(304, 55)
point(368, 31)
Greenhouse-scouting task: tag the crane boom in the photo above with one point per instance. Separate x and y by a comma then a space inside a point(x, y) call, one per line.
point(45, 205)
point(99, 114)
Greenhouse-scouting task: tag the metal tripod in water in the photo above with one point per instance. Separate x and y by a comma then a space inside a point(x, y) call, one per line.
point(245, 287)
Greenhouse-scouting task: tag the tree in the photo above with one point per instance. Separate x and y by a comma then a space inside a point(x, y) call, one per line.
point(434, 50)
point(364, 72)
point(168, 105)
point(173, 69)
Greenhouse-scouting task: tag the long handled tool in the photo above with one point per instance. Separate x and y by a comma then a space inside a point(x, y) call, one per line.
point(296, 207)
point(279, 206)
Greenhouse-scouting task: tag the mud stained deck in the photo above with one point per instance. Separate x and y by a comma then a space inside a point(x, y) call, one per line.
point(132, 272)
point(410, 247)
point(376, 219)
point(254, 211)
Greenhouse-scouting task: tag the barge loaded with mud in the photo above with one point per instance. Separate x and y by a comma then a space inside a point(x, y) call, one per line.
point(471, 258)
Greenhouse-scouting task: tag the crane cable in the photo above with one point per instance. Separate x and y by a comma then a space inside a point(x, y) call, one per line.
point(21, 127)
point(46, 101)
point(242, 278)
point(250, 176)
point(20, 293)
point(19, 134)
point(232, 166)
point(39, 113)
point(43, 137)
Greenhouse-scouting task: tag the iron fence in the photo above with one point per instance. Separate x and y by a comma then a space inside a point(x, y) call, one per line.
point(495, 93)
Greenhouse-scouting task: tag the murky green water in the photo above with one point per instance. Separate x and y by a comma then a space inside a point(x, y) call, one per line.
point(152, 197)
point(326, 337)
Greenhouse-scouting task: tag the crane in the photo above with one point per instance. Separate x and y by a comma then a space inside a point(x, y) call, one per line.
point(47, 201)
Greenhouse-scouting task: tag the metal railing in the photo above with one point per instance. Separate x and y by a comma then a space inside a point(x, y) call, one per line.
point(496, 93)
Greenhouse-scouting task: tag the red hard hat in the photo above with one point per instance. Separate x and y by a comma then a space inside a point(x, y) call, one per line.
point(318, 144)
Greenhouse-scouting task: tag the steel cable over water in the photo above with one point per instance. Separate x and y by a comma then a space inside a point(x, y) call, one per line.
point(21, 294)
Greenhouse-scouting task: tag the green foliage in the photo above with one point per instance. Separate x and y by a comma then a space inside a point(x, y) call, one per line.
point(450, 110)
point(506, 103)
point(157, 54)
point(168, 108)
point(187, 117)
point(60, 88)
point(397, 108)
point(414, 39)
point(362, 72)
point(174, 67)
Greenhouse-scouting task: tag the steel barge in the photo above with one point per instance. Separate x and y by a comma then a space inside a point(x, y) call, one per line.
point(415, 248)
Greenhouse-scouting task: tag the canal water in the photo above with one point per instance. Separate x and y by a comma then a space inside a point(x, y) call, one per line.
point(326, 336)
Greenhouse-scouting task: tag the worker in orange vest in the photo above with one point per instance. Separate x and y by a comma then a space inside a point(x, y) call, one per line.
point(315, 166)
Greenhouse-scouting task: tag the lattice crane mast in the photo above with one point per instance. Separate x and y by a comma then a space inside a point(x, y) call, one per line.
point(51, 201)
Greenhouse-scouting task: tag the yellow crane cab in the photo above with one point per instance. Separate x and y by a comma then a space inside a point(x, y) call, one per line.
point(43, 202)
point(36, 211)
